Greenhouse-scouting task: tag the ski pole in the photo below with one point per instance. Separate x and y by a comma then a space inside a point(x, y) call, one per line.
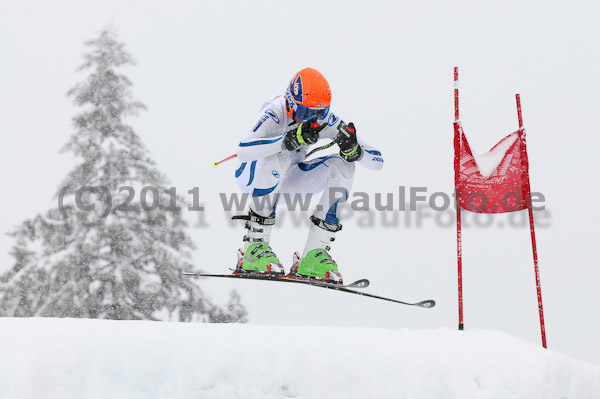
point(320, 148)
point(215, 164)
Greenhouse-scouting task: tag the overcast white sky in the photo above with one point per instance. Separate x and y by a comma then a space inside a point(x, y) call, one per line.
point(205, 68)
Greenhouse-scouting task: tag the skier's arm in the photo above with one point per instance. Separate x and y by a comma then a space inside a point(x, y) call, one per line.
point(264, 138)
point(254, 148)
point(372, 158)
point(352, 145)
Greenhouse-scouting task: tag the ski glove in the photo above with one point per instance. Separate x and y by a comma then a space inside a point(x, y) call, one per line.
point(305, 134)
point(346, 139)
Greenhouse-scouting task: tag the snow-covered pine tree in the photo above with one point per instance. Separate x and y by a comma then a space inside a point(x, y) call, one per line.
point(123, 265)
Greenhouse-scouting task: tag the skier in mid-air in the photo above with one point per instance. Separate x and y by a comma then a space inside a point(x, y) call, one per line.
point(272, 162)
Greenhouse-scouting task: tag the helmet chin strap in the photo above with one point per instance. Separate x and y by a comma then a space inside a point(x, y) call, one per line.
point(289, 109)
point(291, 112)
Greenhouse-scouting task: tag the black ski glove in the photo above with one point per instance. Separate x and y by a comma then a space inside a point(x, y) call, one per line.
point(305, 134)
point(346, 139)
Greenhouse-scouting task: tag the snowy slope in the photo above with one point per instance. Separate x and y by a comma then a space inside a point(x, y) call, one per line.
point(66, 358)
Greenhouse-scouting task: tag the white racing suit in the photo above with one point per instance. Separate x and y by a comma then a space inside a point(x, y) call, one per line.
point(267, 170)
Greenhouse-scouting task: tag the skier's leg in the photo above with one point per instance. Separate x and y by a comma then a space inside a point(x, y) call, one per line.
point(262, 180)
point(329, 175)
point(334, 177)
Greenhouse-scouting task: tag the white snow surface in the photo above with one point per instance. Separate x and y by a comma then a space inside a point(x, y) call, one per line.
point(68, 358)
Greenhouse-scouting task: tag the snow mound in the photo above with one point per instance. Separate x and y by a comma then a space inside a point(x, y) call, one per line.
point(67, 358)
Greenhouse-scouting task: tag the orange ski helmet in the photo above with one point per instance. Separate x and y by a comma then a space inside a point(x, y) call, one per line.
point(308, 95)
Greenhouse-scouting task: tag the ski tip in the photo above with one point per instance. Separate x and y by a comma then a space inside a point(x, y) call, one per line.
point(362, 283)
point(426, 304)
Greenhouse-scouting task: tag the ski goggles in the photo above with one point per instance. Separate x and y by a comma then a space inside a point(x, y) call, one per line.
point(307, 113)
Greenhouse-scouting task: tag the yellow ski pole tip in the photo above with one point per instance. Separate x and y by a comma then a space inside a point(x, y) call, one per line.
point(214, 164)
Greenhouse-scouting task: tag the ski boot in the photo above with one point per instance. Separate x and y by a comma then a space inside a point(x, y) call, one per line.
point(258, 256)
point(316, 262)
